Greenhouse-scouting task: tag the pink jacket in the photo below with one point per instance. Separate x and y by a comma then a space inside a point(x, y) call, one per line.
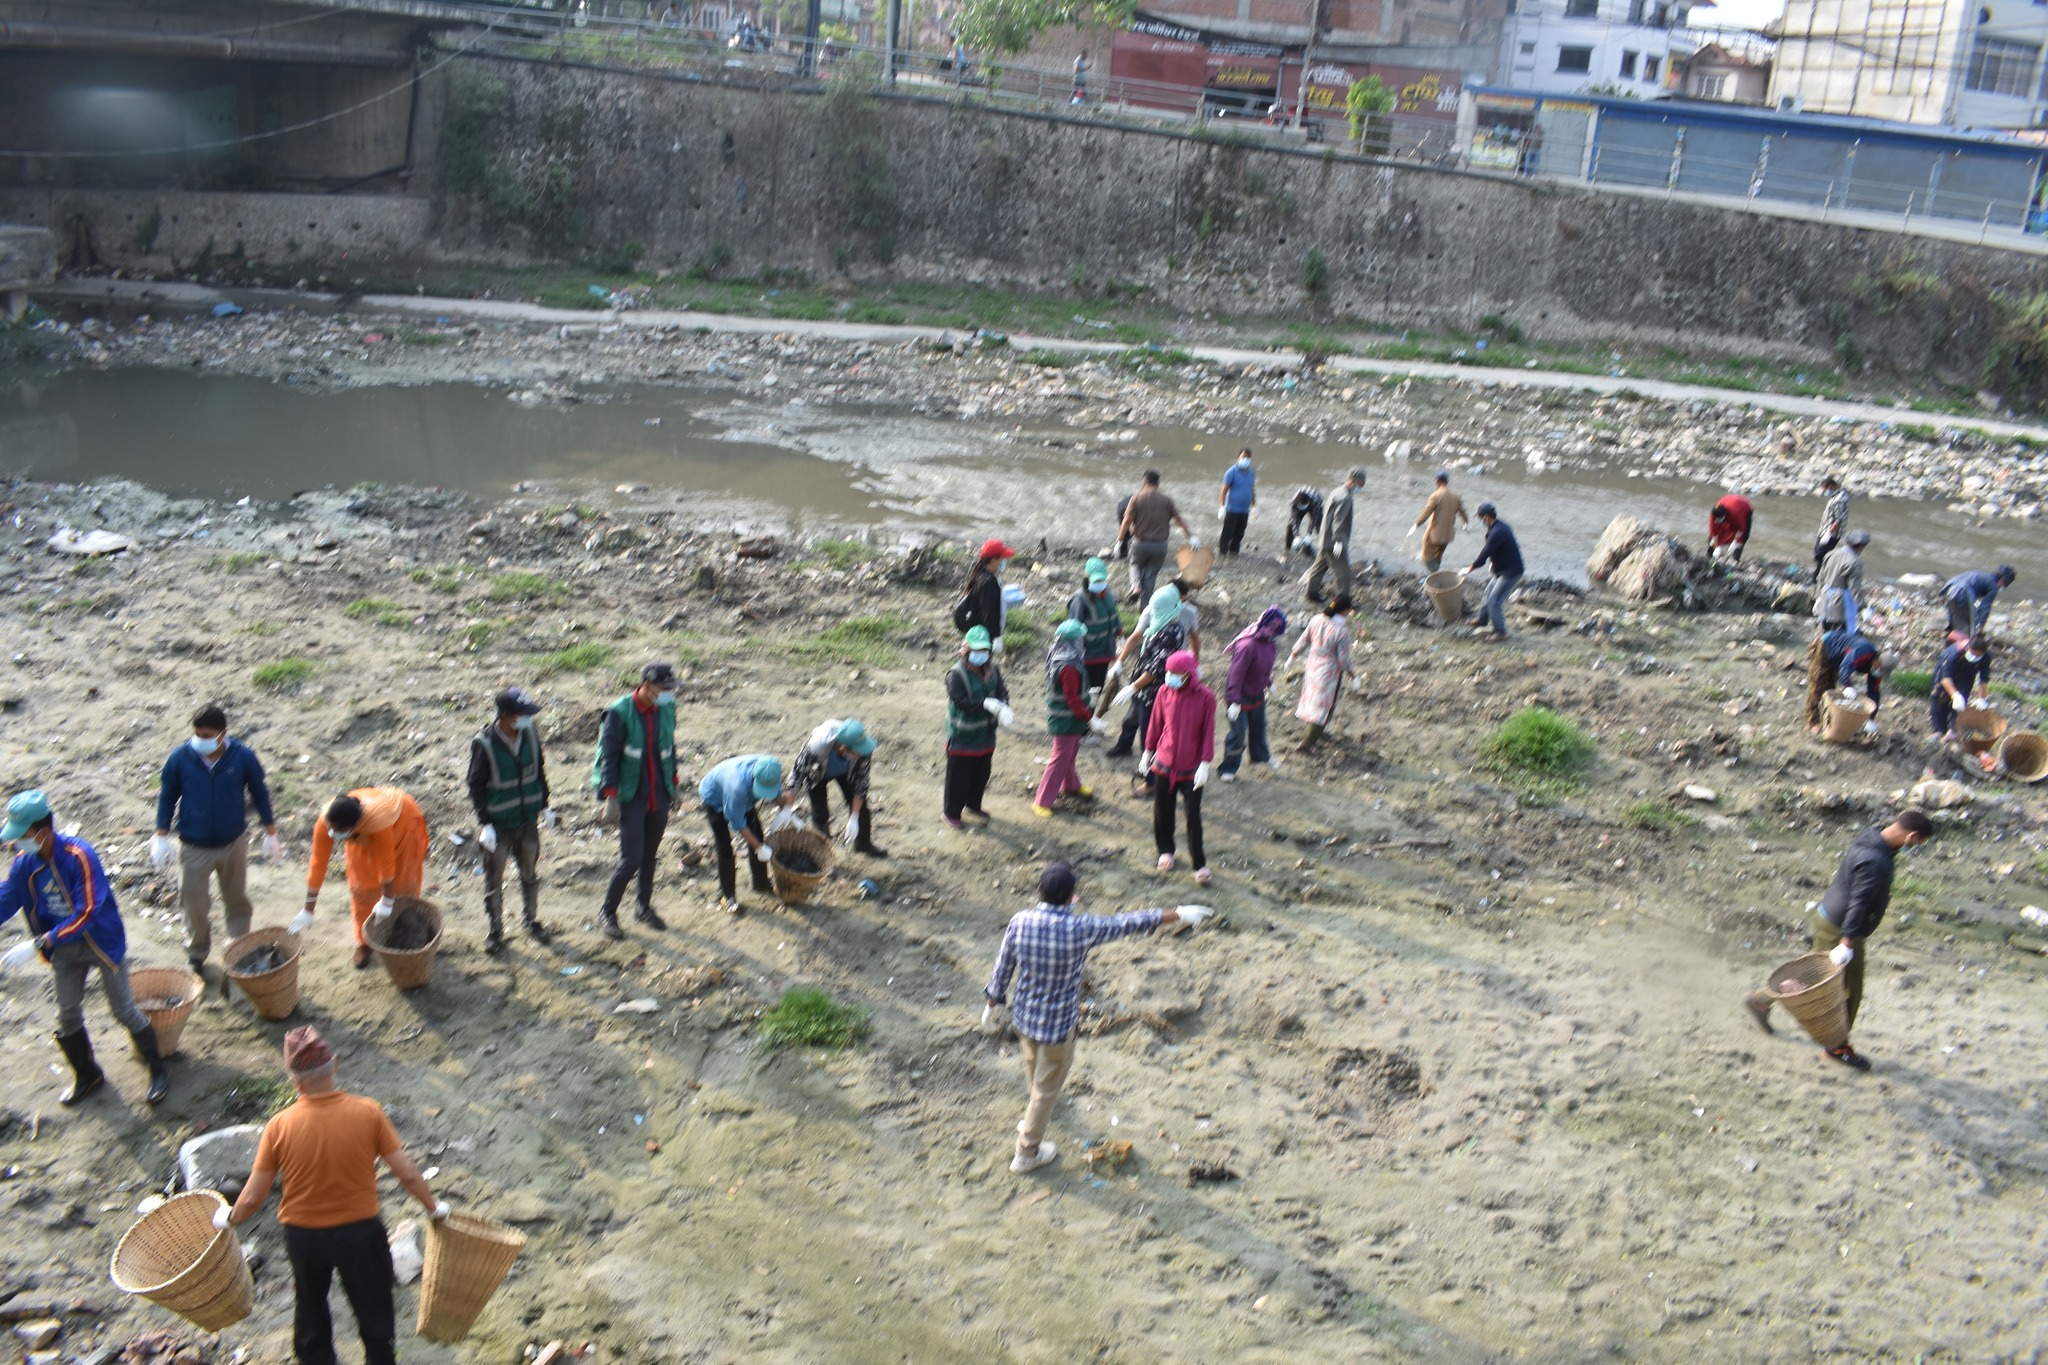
point(1182, 732)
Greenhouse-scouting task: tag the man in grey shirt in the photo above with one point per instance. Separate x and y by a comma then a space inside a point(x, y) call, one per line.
point(1149, 519)
point(1333, 548)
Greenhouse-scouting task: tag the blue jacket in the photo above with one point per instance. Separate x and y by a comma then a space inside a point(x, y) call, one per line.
point(212, 803)
point(729, 788)
point(1240, 489)
point(1502, 548)
point(83, 906)
point(1957, 668)
point(1978, 587)
point(1848, 653)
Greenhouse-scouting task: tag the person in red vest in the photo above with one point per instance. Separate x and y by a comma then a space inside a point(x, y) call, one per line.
point(1728, 527)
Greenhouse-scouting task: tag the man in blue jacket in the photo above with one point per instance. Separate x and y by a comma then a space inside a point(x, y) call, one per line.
point(61, 891)
point(1962, 673)
point(730, 792)
point(1504, 553)
point(209, 782)
point(1969, 597)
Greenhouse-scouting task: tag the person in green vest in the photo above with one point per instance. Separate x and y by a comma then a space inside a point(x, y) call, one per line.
point(508, 789)
point(977, 701)
point(1068, 716)
point(635, 773)
point(1103, 625)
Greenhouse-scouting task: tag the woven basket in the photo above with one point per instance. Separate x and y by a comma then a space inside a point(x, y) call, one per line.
point(408, 970)
point(175, 1257)
point(791, 887)
point(1446, 589)
point(1822, 1006)
point(1978, 730)
point(161, 983)
point(2025, 755)
point(1845, 719)
point(466, 1262)
point(1194, 565)
point(275, 993)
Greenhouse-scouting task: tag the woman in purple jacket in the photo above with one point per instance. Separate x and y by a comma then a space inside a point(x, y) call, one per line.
point(1244, 691)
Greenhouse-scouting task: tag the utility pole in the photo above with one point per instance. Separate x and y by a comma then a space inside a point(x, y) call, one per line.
point(893, 36)
point(814, 19)
point(1308, 59)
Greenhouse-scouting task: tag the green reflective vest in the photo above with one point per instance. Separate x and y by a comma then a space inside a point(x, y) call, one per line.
point(633, 756)
point(516, 794)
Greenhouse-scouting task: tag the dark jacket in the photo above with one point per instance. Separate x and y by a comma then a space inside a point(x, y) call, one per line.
point(212, 802)
point(1862, 889)
point(1979, 588)
point(970, 729)
point(1251, 669)
point(981, 605)
point(1337, 519)
point(1955, 665)
point(520, 770)
point(1502, 550)
point(1845, 653)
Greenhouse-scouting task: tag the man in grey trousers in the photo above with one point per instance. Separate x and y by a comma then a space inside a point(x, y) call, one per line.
point(1333, 548)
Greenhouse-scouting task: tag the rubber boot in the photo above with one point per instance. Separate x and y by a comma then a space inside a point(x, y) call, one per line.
point(159, 1076)
point(608, 924)
point(85, 1072)
point(494, 941)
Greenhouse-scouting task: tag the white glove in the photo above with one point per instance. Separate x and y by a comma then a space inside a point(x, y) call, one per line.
point(1841, 954)
point(997, 647)
point(1097, 725)
point(488, 837)
point(1006, 717)
point(301, 922)
point(1123, 697)
point(20, 955)
point(1233, 711)
point(994, 1018)
point(1201, 776)
point(1220, 513)
point(764, 854)
point(273, 848)
point(1412, 530)
point(220, 1218)
point(786, 818)
point(383, 910)
point(993, 705)
point(548, 818)
point(853, 827)
point(441, 1211)
point(1145, 761)
point(1337, 549)
point(161, 851)
point(1464, 574)
point(1870, 730)
point(1193, 914)
point(1194, 542)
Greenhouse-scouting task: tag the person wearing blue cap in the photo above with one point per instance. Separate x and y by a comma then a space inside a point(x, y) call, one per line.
point(730, 792)
point(60, 890)
point(840, 751)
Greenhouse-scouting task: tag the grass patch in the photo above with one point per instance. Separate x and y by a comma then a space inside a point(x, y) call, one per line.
point(409, 336)
point(288, 674)
point(1910, 682)
point(252, 1099)
point(863, 641)
point(441, 580)
point(242, 561)
point(1540, 754)
point(524, 586)
point(2013, 692)
point(575, 659)
point(844, 554)
point(1658, 816)
point(1022, 632)
point(378, 609)
point(1047, 360)
point(811, 1018)
point(263, 629)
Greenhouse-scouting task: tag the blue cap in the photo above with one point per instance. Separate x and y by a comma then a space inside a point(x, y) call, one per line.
point(855, 736)
point(767, 777)
point(1485, 509)
point(27, 808)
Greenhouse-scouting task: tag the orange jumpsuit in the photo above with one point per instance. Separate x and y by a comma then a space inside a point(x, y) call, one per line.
point(390, 845)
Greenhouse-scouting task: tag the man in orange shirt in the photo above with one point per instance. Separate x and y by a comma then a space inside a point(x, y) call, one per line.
point(326, 1147)
point(386, 841)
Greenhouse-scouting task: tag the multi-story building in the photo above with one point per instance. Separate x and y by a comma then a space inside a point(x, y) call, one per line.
point(1725, 70)
point(1604, 47)
point(1975, 65)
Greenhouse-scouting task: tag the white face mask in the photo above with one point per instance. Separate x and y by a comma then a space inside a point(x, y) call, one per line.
point(341, 836)
point(523, 722)
point(1974, 658)
point(1098, 585)
point(1244, 462)
point(665, 699)
point(1176, 681)
point(204, 746)
point(27, 844)
point(977, 657)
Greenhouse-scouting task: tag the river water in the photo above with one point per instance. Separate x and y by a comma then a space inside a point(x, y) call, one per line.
point(753, 464)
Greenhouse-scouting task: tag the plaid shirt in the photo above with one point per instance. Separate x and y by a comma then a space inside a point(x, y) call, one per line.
point(1047, 947)
point(1835, 515)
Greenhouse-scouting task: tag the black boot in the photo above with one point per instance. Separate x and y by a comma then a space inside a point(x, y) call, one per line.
point(159, 1076)
point(86, 1074)
point(866, 843)
point(494, 941)
point(608, 924)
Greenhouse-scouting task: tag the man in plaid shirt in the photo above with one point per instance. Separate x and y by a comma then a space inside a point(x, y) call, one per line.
point(1047, 948)
point(1834, 520)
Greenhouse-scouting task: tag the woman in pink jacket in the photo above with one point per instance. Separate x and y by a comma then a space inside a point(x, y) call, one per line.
point(1179, 742)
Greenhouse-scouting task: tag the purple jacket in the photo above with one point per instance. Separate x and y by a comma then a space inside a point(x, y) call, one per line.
point(1251, 669)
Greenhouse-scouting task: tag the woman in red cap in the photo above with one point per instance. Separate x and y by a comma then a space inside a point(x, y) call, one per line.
point(1180, 741)
point(981, 602)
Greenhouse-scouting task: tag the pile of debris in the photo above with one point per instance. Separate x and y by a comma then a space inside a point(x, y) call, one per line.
point(1640, 563)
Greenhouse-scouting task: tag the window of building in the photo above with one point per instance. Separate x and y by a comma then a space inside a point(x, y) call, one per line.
point(1709, 87)
point(1528, 49)
point(1575, 59)
point(1650, 65)
point(1635, 10)
point(1581, 9)
point(2002, 66)
point(1628, 65)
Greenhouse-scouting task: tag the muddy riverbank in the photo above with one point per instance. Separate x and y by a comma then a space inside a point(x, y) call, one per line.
point(1478, 1065)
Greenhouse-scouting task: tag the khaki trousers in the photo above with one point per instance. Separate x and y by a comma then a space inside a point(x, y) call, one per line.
point(1825, 937)
point(197, 867)
point(1818, 682)
point(1045, 1069)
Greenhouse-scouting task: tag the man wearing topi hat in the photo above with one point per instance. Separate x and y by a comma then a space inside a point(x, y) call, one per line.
point(326, 1146)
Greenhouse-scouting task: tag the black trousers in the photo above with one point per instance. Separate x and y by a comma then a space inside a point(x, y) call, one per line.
point(1163, 792)
point(722, 850)
point(1821, 546)
point(1098, 673)
point(361, 1254)
point(821, 805)
point(1135, 721)
point(640, 831)
point(966, 782)
point(1232, 539)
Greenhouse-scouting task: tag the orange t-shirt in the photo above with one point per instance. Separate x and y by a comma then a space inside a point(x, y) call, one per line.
point(325, 1149)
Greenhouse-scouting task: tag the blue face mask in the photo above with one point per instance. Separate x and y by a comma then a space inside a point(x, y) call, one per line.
point(1176, 681)
point(341, 836)
point(1244, 462)
point(977, 657)
point(204, 746)
point(523, 722)
point(1098, 585)
point(27, 844)
point(665, 699)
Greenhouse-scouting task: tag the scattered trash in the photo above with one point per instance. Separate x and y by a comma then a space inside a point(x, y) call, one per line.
point(1106, 1153)
point(227, 310)
point(407, 1260)
point(88, 543)
point(1210, 1172)
point(645, 1005)
point(869, 889)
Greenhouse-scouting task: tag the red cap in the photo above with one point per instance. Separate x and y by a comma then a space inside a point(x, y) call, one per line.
point(305, 1050)
point(995, 549)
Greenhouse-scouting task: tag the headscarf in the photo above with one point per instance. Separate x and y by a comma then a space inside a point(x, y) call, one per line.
point(1165, 609)
point(1067, 651)
point(1271, 625)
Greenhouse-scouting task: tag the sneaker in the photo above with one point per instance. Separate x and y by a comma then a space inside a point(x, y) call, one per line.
point(539, 933)
point(952, 823)
point(1759, 1010)
point(494, 942)
point(1085, 793)
point(1166, 862)
point(729, 905)
point(1849, 1056)
point(1201, 876)
point(1229, 777)
point(1042, 812)
point(608, 925)
point(1026, 1162)
point(1274, 764)
point(645, 914)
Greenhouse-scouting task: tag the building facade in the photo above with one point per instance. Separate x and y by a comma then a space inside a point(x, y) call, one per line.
point(1725, 74)
point(1608, 47)
point(1974, 65)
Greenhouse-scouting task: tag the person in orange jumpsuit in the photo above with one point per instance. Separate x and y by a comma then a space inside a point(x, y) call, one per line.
point(384, 837)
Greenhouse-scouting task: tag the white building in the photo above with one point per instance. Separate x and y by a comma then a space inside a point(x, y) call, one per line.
point(1972, 65)
point(1604, 47)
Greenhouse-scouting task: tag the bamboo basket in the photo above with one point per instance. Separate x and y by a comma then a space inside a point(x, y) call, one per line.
point(1822, 1007)
point(274, 993)
point(1446, 589)
point(467, 1259)
point(1194, 565)
point(161, 983)
point(792, 887)
point(2025, 755)
point(176, 1258)
point(408, 968)
point(1845, 718)
point(1978, 730)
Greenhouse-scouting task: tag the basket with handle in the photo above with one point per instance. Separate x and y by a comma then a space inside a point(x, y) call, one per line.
point(1979, 729)
point(467, 1258)
point(791, 886)
point(175, 1257)
point(274, 993)
point(1810, 988)
point(1845, 717)
point(152, 984)
point(408, 968)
